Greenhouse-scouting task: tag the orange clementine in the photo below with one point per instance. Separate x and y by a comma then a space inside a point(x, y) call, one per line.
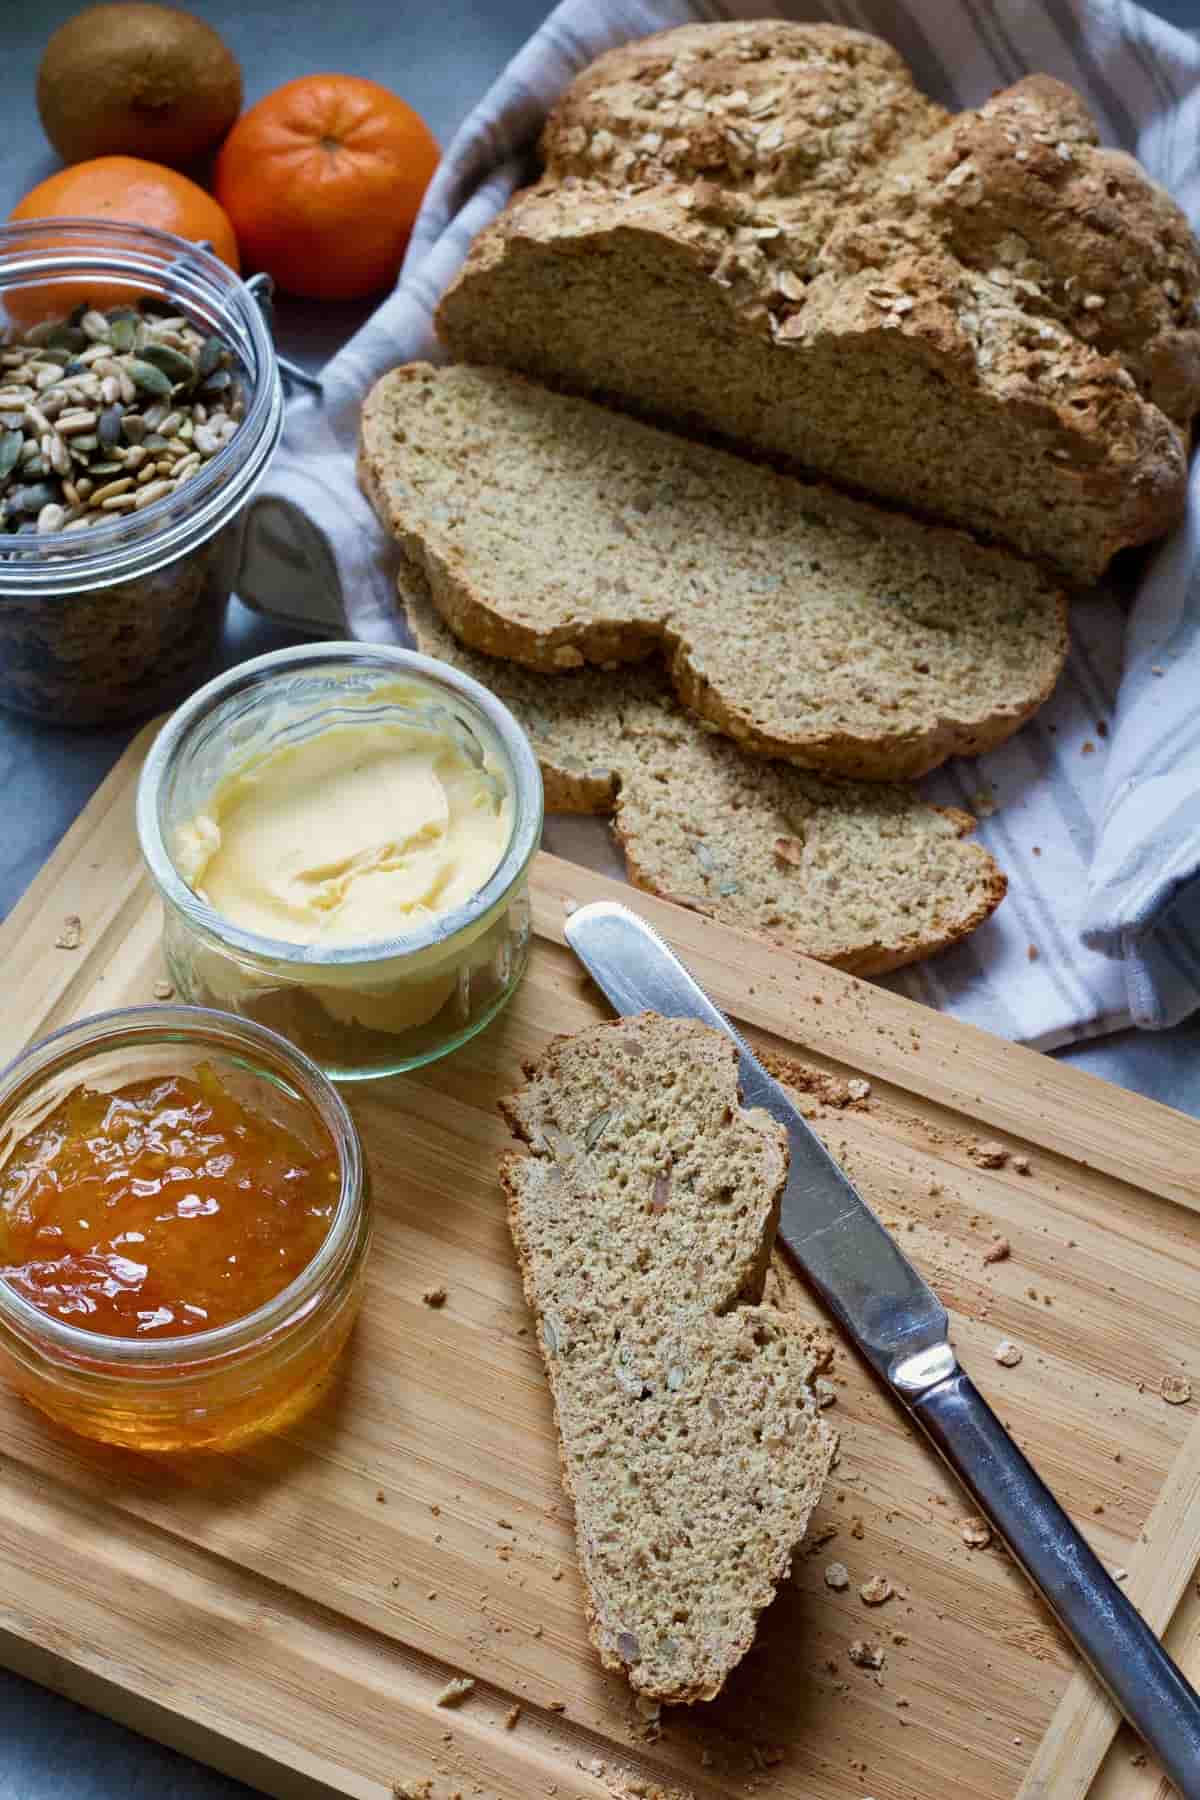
point(323, 180)
point(124, 189)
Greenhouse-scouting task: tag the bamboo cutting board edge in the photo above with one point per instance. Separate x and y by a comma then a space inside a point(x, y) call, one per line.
point(96, 873)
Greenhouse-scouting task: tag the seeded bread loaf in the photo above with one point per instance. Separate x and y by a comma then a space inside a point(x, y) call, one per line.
point(761, 231)
point(643, 1219)
point(801, 623)
point(862, 875)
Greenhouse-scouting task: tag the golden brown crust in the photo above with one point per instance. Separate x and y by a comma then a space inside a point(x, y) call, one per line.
point(744, 1294)
point(647, 744)
point(1044, 279)
point(503, 620)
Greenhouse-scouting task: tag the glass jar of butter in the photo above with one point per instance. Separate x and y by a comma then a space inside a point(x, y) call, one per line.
point(341, 729)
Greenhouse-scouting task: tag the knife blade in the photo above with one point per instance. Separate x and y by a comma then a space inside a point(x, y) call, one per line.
point(883, 1303)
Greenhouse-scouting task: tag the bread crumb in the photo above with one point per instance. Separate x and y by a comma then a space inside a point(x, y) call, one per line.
point(434, 1296)
point(1176, 1390)
point(1007, 1353)
point(163, 990)
point(876, 1591)
point(824, 1392)
point(837, 1577)
point(990, 1154)
point(857, 1528)
point(511, 1717)
point(412, 1790)
point(1032, 952)
point(1089, 749)
point(1022, 1165)
point(71, 935)
point(997, 1252)
point(976, 1533)
point(381, 1497)
point(858, 1089)
point(1156, 668)
point(866, 1656)
point(1120, 1574)
point(557, 1705)
point(556, 1573)
point(455, 1691)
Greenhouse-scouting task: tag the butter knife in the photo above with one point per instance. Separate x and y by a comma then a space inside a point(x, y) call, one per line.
point(902, 1330)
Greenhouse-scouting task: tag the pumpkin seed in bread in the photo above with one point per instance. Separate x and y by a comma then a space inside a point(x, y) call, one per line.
point(860, 874)
point(805, 625)
point(691, 1444)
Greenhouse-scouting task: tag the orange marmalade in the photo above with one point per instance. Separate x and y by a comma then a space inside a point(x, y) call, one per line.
point(164, 1208)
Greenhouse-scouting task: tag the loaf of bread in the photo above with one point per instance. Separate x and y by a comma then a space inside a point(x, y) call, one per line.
point(862, 875)
point(643, 1218)
point(805, 625)
point(762, 231)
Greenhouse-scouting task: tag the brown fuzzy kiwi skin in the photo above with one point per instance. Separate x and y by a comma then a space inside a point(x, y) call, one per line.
point(136, 79)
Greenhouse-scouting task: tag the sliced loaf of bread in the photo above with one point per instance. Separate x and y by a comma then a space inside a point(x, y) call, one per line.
point(805, 625)
point(860, 874)
point(760, 230)
point(643, 1218)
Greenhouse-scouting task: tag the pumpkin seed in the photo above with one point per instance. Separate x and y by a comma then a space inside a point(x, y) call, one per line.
point(109, 429)
point(148, 378)
point(10, 451)
point(123, 335)
point(175, 366)
point(594, 1130)
point(211, 351)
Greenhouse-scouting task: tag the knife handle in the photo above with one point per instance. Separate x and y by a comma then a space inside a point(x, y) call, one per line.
point(1105, 1626)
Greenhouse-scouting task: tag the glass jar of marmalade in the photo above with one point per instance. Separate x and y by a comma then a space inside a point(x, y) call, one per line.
point(184, 1219)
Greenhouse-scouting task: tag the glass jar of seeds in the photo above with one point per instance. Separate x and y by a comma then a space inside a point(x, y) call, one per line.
point(140, 403)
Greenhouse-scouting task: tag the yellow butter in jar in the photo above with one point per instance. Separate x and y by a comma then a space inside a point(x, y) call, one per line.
point(341, 835)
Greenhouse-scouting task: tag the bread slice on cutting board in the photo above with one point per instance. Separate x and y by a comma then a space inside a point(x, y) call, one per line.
point(643, 1217)
point(861, 874)
point(761, 230)
point(553, 533)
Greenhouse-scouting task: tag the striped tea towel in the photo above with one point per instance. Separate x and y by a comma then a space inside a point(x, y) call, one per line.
point(1093, 809)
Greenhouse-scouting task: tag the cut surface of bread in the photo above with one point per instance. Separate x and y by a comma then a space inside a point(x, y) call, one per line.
point(761, 231)
point(805, 625)
point(863, 875)
point(643, 1219)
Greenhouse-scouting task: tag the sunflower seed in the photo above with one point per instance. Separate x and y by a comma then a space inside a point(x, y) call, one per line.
point(94, 325)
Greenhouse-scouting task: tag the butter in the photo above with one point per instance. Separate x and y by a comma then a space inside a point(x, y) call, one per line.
point(360, 833)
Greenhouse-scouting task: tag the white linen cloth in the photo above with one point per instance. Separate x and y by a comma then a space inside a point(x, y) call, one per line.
point(1093, 810)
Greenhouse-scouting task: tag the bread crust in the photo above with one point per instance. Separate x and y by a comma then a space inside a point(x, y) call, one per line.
point(740, 1304)
point(629, 711)
point(493, 622)
point(1037, 291)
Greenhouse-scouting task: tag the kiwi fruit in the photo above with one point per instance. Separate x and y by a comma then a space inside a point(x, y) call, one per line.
point(135, 79)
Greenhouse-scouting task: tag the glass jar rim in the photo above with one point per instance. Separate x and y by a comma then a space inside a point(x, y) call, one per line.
point(137, 544)
point(523, 839)
point(138, 1025)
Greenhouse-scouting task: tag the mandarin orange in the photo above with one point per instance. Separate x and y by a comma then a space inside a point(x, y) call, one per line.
point(323, 180)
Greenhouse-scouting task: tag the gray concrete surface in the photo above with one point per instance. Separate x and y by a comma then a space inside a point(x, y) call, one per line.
point(440, 57)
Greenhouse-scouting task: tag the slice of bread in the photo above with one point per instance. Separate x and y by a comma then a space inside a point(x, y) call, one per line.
point(863, 875)
point(760, 231)
point(691, 1445)
point(803, 624)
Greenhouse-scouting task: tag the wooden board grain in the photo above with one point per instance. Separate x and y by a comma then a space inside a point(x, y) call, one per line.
point(292, 1613)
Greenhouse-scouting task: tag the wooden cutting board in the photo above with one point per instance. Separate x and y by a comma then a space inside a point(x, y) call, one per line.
point(291, 1614)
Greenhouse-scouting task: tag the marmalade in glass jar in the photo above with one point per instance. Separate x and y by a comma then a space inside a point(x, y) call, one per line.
point(164, 1208)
